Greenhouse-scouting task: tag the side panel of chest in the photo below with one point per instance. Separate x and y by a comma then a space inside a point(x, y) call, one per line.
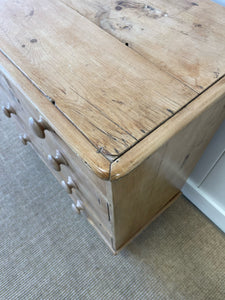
point(148, 189)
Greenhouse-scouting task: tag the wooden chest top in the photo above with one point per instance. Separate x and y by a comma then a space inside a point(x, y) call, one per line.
point(118, 82)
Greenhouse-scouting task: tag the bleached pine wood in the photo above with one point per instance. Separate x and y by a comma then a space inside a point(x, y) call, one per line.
point(130, 133)
point(87, 188)
point(168, 156)
point(181, 37)
point(112, 94)
point(95, 162)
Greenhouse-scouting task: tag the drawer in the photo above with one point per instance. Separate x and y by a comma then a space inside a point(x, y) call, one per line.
point(73, 175)
point(86, 197)
point(25, 109)
point(58, 158)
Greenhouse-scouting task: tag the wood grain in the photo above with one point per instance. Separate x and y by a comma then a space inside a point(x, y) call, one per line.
point(170, 154)
point(141, 151)
point(112, 94)
point(184, 38)
point(93, 192)
point(13, 80)
point(171, 201)
point(133, 119)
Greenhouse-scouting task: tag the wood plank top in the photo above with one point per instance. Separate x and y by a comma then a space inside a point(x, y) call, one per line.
point(215, 96)
point(184, 38)
point(113, 95)
point(96, 162)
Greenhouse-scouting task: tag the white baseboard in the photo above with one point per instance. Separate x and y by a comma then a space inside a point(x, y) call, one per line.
point(205, 203)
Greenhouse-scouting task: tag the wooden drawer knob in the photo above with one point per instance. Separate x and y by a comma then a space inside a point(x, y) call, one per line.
point(57, 160)
point(8, 110)
point(69, 185)
point(24, 139)
point(78, 206)
point(38, 127)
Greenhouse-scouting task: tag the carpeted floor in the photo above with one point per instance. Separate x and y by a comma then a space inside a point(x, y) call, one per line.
point(49, 252)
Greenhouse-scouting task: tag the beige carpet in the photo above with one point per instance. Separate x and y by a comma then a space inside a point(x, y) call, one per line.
point(48, 252)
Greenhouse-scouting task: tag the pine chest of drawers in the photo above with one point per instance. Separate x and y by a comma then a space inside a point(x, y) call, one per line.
point(119, 98)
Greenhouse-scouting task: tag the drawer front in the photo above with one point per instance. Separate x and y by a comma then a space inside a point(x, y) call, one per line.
point(63, 163)
point(25, 109)
point(57, 157)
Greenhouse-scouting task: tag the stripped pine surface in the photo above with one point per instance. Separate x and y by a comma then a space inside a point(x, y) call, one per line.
point(164, 161)
point(139, 117)
point(112, 94)
point(13, 83)
point(181, 37)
